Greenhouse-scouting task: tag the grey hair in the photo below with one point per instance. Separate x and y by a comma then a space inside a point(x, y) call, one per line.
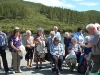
point(40, 28)
point(91, 26)
point(73, 39)
point(28, 31)
point(52, 33)
point(56, 27)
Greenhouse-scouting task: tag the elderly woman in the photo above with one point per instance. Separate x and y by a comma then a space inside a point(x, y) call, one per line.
point(74, 52)
point(67, 41)
point(50, 40)
point(57, 52)
point(39, 41)
point(16, 42)
point(29, 48)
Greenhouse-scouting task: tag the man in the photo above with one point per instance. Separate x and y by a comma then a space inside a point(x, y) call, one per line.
point(95, 44)
point(57, 34)
point(3, 45)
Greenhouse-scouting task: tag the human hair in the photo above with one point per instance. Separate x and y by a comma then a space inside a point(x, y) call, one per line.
point(40, 28)
point(52, 33)
point(56, 27)
point(91, 26)
point(28, 31)
point(15, 31)
point(66, 34)
point(79, 29)
point(73, 39)
point(56, 39)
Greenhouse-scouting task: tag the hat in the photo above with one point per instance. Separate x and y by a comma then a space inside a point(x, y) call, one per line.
point(16, 28)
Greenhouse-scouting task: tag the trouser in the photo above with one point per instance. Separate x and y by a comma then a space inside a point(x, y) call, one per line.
point(96, 61)
point(0, 63)
point(3, 55)
point(71, 63)
point(57, 61)
point(16, 61)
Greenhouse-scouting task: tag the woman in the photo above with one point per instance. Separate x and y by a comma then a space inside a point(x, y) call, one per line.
point(57, 52)
point(15, 44)
point(29, 48)
point(50, 40)
point(74, 53)
point(67, 41)
point(39, 41)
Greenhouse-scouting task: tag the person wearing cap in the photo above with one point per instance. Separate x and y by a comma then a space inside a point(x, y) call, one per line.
point(57, 52)
point(29, 44)
point(16, 42)
point(39, 40)
point(57, 34)
point(3, 46)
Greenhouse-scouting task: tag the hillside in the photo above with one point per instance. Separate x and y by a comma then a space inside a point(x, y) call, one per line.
point(28, 15)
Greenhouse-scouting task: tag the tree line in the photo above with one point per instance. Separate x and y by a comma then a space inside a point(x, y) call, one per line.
point(12, 10)
point(70, 16)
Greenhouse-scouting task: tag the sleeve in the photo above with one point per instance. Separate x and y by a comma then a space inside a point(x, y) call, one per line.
point(95, 40)
point(52, 50)
point(62, 50)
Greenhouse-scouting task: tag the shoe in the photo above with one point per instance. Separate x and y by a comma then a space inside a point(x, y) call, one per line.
point(11, 68)
point(53, 70)
point(57, 72)
point(18, 71)
point(30, 65)
point(7, 73)
point(13, 72)
point(27, 66)
point(40, 67)
point(36, 67)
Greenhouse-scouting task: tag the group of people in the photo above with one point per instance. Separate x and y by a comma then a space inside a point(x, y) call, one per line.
point(72, 51)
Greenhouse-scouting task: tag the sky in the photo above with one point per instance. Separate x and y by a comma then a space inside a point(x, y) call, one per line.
point(78, 5)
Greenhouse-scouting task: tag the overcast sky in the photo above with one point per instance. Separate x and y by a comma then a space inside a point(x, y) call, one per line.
point(79, 5)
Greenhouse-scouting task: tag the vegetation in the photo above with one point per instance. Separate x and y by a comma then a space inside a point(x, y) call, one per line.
point(28, 15)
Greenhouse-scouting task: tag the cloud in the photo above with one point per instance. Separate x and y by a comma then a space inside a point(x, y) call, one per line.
point(57, 3)
point(78, 0)
point(89, 3)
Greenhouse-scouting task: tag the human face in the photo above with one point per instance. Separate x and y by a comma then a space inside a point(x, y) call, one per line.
point(56, 42)
point(28, 34)
point(52, 35)
point(17, 34)
point(55, 29)
point(91, 31)
point(74, 41)
point(40, 32)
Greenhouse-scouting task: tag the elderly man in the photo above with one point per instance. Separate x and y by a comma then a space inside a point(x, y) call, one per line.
point(57, 34)
point(95, 44)
point(3, 45)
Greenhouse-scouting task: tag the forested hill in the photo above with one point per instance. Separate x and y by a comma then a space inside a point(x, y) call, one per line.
point(29, 15)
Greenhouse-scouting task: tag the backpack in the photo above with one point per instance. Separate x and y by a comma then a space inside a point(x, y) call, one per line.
point(82, 68)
